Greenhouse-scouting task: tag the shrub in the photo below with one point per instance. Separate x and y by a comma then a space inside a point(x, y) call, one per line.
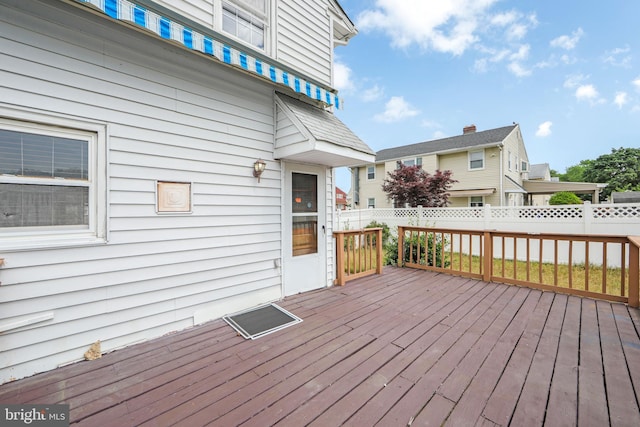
point(564, 198)
point(425, 257)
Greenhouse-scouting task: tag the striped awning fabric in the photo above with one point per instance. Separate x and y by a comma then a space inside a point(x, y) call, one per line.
point(125, 10)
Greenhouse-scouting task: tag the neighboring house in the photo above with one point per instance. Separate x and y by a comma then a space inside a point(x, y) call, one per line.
point(133, 136)
point(540, 186)
point(341, 199)
point(541, 173)
point(488, 165)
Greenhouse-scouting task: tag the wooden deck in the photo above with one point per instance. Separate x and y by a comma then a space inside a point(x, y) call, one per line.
point(408, 347)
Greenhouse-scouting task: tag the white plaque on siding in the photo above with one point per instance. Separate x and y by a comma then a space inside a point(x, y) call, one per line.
point(174, 197)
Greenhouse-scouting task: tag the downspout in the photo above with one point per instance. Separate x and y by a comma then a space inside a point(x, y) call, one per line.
point(501, 175)
point(356, 187)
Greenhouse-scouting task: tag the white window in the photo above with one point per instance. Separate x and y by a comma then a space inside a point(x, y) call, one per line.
point(371, 202)
point(509, 160)
point(371, 172)
point(476, 201)
point(412, 162)
point(49, 185)
point(246, 20)
point(524, 166)
point(476, 159)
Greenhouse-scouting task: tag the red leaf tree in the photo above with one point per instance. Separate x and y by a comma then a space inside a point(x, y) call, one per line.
point(415, 186)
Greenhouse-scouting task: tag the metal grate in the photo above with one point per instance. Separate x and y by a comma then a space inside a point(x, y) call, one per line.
point(257, 322)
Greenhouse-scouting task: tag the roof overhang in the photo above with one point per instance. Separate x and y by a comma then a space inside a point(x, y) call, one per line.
point(550, 187)
point(472, 193)
point(308, 134)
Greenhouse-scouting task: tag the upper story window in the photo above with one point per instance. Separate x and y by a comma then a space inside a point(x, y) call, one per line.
point(476, 159)
point(371, 203)
point(48, 185)
point(371, 172)
point(417, 161)
point(524, 166)
point(246, 20)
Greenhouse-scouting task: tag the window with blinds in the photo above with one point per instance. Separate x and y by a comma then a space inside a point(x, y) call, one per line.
point(44, 179)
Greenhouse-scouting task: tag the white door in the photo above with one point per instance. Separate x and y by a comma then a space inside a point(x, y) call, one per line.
point(305, 252)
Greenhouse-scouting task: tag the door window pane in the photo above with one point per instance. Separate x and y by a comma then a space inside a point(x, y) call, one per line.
point(304, 207)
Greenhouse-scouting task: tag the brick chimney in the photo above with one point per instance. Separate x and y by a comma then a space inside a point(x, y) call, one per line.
point(469, 129)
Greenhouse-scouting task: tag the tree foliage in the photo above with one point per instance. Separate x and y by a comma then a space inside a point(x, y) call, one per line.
point(620, 170)
point(564, 198)
point(415, 186)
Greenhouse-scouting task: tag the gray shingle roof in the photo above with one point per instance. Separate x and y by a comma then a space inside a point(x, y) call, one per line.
point(538, 171)
point(324, 126)
point(460, 142)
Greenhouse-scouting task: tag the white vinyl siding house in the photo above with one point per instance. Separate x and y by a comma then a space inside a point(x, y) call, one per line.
point(150, 112)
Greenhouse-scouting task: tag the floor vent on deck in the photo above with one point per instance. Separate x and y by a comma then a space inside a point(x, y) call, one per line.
point(261, 321)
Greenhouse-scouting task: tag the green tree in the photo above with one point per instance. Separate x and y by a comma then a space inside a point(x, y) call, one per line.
point(415, 186)
point(576, 173)
point(564, 198)
point(620, 170)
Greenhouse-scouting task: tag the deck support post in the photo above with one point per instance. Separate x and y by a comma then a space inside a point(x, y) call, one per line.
point(634, 271)
point(487, 256)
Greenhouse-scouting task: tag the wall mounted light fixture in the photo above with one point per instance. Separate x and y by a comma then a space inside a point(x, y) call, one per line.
point(258, 168)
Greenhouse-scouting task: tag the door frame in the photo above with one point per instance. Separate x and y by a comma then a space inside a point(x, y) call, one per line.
point(294, 268)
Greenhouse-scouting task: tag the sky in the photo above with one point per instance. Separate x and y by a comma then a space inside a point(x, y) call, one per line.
point(567, 71)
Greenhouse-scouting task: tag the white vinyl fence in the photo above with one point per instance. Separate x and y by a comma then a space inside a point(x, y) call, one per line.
point(607, 219)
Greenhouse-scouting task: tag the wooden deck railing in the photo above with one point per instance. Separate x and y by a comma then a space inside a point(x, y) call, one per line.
point(597, 266)
point(358, 254)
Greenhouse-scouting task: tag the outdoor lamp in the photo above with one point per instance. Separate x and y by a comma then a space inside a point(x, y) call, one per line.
point(258, 168)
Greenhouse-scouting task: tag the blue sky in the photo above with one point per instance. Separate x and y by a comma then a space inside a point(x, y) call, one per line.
point(567, 71)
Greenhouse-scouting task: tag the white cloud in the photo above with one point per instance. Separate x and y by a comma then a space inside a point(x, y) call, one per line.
point(636, 83)
point(618, 57)
point(342, 79)
point(372, 94)
point(518, 70)
point(449, 26)
point(574, 80)
point(396, 110)
point(544, 129)
point(588, 93)
point(568, 42)
point(621, 99)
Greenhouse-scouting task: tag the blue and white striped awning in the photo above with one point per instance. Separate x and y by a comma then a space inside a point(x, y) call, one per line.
point(125, 10)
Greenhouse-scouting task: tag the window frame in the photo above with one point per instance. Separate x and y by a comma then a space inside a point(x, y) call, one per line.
point(19, 238)
point(262, 17)
point(373, 168)
point(475, 204)
point(371, 205)
point(470, 160)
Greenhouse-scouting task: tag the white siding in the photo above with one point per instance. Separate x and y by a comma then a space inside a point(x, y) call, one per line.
point(303, 37)
point(200, 11)
point(171, 115)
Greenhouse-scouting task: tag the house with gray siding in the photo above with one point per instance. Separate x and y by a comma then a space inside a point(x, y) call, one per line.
point(162, 163)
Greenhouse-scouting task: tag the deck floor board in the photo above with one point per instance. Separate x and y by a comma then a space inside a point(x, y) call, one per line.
point(406, 347)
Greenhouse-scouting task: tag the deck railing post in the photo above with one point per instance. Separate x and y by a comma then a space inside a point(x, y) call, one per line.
point(634, 271)
point(379, 249)
point(486, 252)
point(340, 275)
point(400, 246)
